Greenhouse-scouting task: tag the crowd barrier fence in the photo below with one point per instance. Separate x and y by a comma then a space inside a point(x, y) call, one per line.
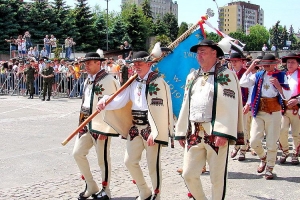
point(64, 85)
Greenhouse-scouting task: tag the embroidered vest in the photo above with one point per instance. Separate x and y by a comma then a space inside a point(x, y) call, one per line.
point(256, 94)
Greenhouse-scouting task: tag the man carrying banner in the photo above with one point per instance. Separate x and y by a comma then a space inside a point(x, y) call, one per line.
point(291, 115)
point(150, 122)
point(212, 93)
point(97, 133)
point(270, 89)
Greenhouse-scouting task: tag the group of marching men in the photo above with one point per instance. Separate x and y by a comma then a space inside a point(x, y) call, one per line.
point(141, 113)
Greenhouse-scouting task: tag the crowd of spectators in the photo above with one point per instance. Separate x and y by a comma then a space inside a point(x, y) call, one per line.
point(22, 47)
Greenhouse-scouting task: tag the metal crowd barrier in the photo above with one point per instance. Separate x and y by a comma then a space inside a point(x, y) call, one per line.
point(12, 83)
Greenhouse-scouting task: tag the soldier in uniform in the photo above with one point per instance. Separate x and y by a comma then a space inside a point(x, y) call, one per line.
point(97, 133)
point(29, 73)
point(48, 75)
point(146, 123)
point(291, 115)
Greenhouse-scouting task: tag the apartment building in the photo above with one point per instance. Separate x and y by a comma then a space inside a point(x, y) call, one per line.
point(159, 7)
point(240, 15)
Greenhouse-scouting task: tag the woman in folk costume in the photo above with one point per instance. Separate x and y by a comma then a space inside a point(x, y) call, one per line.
point(291, 112)
point(270, 89)
point(146, 121)
point(204, 127)
point(97, 133)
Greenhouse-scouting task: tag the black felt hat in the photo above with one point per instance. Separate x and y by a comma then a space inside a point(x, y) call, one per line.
point(92, 56)
point(291, 56)
point(141, 56)
point(236, 56)
point(208, 43)
point(268, 59)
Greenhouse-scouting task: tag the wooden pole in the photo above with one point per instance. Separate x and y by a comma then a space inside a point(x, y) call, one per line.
point(83, 124)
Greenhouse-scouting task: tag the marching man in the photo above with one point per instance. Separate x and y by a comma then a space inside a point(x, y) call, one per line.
point(237, 62)
point(97, 133)
point(291, 115)
point(270, 89)
point(146, 124)
point(203, 128)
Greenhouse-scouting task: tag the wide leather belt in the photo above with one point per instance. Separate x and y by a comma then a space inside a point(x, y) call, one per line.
point(269, 105)
point(140, 117)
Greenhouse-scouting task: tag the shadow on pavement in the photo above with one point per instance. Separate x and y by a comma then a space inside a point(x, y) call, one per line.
point(261, 198)
point(241, 175)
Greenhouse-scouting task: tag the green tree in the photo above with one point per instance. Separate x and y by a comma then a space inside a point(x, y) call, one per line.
point(137, 28)
point(117, 33)
point(258, 36)
point(160, 27)
point(292, 38)
point(39, 20)
point(163, 39)
point(100, 27)
point(213, 36)
point(64, 19)
point(147, 9)
point(172, 25)
point(182, 28)
point(284, 37)
point(8, 20)
point(85, 40)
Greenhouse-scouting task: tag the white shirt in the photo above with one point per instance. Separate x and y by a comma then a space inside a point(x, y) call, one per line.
point(62, 69)
point(267, 90)
point(293, 82)
point(41, 67)
point(88, 92)
point(134, 92)
point(202, 99)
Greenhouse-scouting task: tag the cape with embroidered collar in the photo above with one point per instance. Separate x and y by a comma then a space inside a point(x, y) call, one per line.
point(227, 106)
point(160, 114)
point(104, 84)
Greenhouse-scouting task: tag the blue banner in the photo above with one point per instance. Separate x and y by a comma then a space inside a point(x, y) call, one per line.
point(175, 67)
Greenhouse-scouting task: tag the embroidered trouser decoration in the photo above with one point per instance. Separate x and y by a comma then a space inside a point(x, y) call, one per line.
point(146, 132)
point(194, 139)
point(208, 139)
point(133, 132)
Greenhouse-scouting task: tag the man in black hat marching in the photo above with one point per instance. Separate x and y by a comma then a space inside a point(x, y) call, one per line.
point(149, 122)
point(270, 89)
point(291, 112)
point(212, 93)
point(237, 62)
point(97, 133)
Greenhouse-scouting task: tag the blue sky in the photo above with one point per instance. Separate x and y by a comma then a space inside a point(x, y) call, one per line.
point(190, 11)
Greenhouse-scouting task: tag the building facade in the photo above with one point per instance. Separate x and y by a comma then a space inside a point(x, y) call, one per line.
point(240, 15)
point(159, 7)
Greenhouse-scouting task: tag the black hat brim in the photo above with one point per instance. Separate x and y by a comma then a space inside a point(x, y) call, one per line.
point(284, 59)
point(215, 47)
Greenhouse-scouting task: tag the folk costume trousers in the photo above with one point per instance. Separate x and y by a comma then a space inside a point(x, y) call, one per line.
point(290, 118)
point(81, 149)
point(194, 160)
point(269, 124)
point(247, 124)
point(133, 154)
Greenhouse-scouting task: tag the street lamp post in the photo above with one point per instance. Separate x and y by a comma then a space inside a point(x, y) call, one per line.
point(106, 24)
point(219, 26)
